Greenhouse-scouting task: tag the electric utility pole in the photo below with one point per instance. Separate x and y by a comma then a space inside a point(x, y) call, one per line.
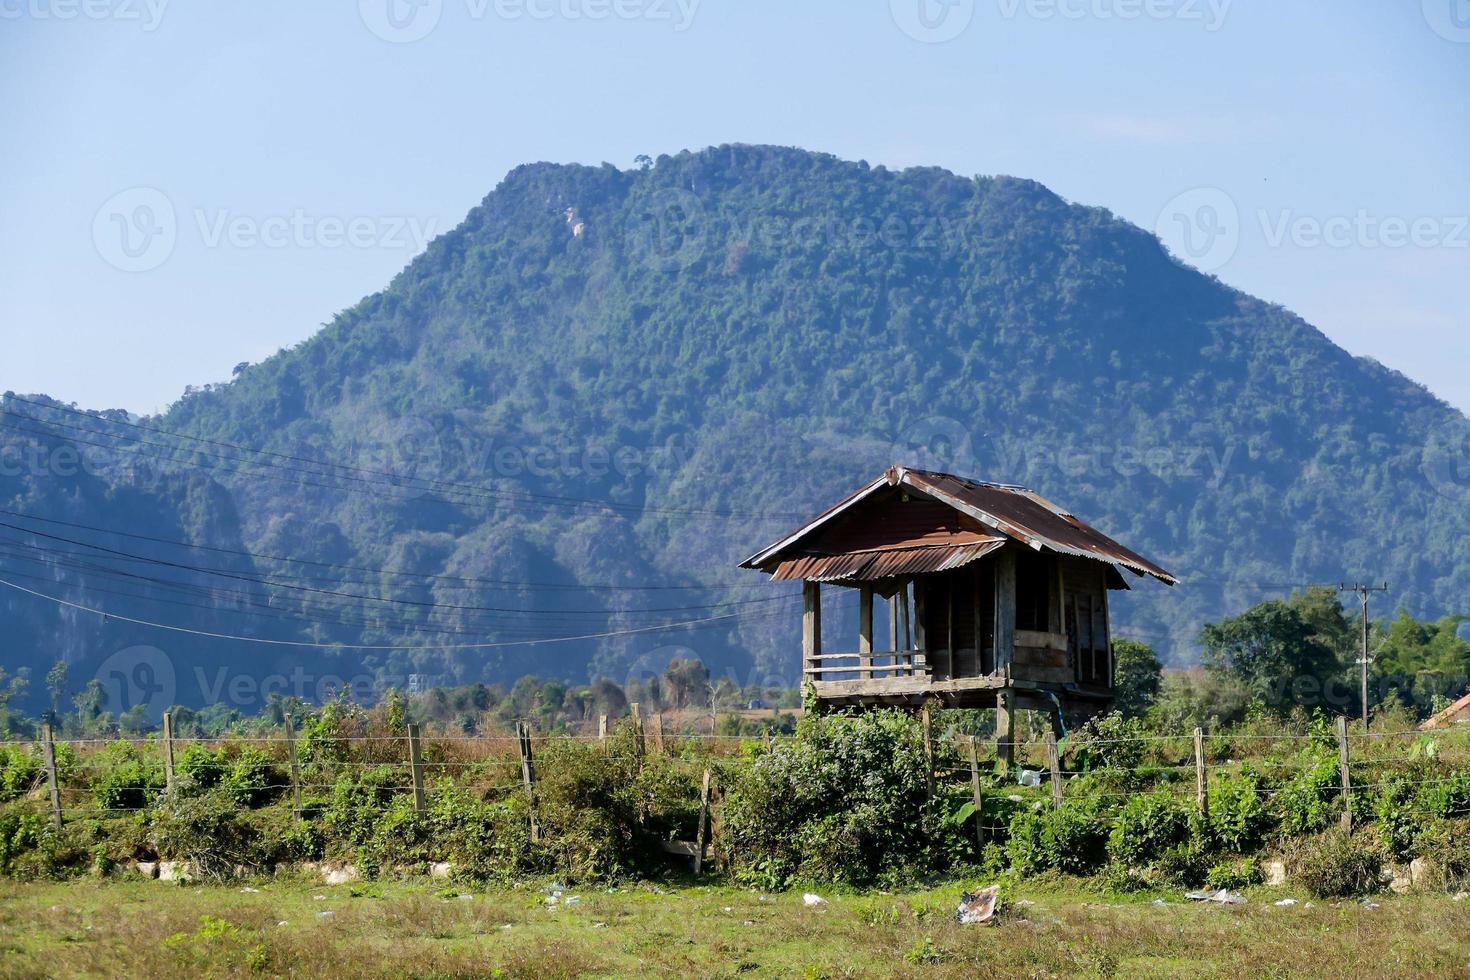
point(1363, 592)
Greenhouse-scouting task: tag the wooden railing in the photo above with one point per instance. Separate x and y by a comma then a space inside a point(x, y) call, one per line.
point(867, 666)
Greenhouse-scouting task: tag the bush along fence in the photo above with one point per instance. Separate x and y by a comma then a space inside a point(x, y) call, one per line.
point(873, 799)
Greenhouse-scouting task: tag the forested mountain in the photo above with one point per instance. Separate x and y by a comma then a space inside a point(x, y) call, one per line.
point(606, 387)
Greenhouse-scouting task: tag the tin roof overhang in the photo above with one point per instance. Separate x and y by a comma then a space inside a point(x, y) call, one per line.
point(1015, 513)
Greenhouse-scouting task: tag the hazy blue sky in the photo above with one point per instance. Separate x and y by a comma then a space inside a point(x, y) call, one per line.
point(1335, 131)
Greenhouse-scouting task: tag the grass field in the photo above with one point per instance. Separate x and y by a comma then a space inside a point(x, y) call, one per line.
point(137, 928)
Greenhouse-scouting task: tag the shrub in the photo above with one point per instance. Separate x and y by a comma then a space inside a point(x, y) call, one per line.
point(199, 766)
point(128, 778)
point(208, 831)
point(846, 801)
point(1069, 838)
point(1110, 742)
point(1447, 844)
point(1237, 819)
point(251, 778)
point(1336, 865)
point(20, 770)
point(1147, 826)
point(1234, 874)
point(1309, 801)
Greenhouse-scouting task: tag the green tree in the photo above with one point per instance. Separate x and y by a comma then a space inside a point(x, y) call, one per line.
point(1279, 655)
point(56, 679)
point(1420, 660)
point(686, 683)
point(1137, 676)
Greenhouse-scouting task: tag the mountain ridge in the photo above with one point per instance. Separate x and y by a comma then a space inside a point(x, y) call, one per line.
point(758, 330)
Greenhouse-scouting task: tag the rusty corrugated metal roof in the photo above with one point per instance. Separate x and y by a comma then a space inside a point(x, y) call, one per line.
point(879, 563)
point(987, 512)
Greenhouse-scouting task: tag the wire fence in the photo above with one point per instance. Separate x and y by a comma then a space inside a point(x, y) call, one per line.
point(1411, 772)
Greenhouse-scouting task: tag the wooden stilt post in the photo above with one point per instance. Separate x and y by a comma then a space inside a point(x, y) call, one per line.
point(528, 774)
point(168, 750)
point(975, 792)
point(703, 824)
point(1347, 779)
point(1054, 764)
point(295, 766)
point(416, 766)
point(48, 751)
point(1201, 780)
point(865, 633)
point(1005, 729)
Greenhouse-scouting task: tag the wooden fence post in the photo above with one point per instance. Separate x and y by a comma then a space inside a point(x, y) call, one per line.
point(48, 752)
point(703, 824)
point(975, 792)
point(1347, 781)
point(295, 765)
point(528, 774)
point(1201, 781)
point(658, 733)
point(602, 728)
point(638, 745)
point(416, 766)
point(168, 750)
point(1054, 764)
point(927, 718)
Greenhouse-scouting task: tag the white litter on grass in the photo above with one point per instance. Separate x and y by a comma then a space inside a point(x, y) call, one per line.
point(250, 891)
point(465, 898)
point(318, 898)
point(1285, 902)
point(811, 900)
point(1029, 777)
point(1223, 896)
point(729, 909)
point(1161, 903)
point(1370, 905)
point(1459, 896)
point(599, 925)
point(283, 922)
point(321, 915)
point(505, 927)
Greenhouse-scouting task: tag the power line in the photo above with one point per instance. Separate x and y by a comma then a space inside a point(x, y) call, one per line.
point(128, 556)
point(686, 624)
point(394, 480)
point(508, 584)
